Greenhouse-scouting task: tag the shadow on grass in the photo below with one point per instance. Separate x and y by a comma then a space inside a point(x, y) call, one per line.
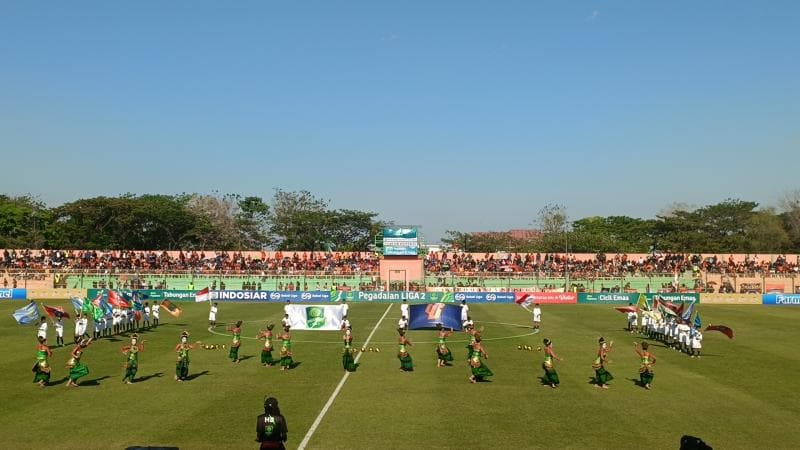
point(635, 382)
point(246, 357)
point(196, 375)
point(94, 382)
point(57, 382)
point(147, 377)
point(295, 364)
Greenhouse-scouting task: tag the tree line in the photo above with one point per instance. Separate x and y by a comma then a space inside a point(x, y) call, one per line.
point(288, 221)
point(299, 220)
point(730, 226)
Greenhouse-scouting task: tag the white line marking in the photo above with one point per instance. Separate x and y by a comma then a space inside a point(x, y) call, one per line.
point(327, 406)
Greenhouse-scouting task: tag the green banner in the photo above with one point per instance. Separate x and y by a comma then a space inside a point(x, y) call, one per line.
point(151, 294)
point(393, 297)
point(624, 298)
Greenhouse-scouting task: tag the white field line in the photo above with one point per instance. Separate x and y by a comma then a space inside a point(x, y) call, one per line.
point(333, 396)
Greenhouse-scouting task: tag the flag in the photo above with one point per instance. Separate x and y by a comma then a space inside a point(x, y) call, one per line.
point(137, 315)
point(137, 303)
point(722, 329)
point(642, 303)
point(656, 303)
point(97, 313)
point(116, 300)
point(201, 296)
point(524, 299)
point(107, 309)
point(171, 308)
point(27, 314)
point(666, 311)
point(55, 312)
point(77, 303)
point(687, 315)
point(626, 309)
point(697, 322)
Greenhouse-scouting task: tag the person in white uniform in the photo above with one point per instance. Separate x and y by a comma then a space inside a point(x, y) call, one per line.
point(212, 315)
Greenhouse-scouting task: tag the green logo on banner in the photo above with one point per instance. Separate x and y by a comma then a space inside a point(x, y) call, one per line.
point(315, 317)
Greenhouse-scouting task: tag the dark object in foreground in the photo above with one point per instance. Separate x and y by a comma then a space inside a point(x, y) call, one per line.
point(693, 443)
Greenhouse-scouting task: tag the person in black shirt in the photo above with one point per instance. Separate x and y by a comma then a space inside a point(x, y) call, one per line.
point(271, 426)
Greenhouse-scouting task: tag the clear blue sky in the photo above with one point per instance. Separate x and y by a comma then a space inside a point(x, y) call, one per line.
point(452, 115)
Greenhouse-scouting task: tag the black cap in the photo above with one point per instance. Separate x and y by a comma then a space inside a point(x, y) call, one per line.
point(270, 402)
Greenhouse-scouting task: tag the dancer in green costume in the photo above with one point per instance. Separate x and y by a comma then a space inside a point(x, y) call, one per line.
point(131, 353)
point(406, 364)
point(443, 354)
point(286, 348)
point(479, 369)
point(550, 374)
point(77, 369)
point(41, 368)
point(182, 365)
point(602, 376)
point(348, 361)
point(646, 369)
point(233, 354)
point(266, 352)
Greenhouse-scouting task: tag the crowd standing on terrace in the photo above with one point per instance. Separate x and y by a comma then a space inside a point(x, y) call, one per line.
point(435, 263)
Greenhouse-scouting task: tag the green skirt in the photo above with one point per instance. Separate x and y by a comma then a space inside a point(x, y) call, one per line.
point(287, 361)
point(40, 375)
point(78, 371)
point(130, 371)
point(550, 375)
point(603, 376)
point(266, 357)
point(646, 377)
point(481, 371)
point(233, 354)
point(406, 363)
point(348, 362)
point(182, 369)
point(447, 355)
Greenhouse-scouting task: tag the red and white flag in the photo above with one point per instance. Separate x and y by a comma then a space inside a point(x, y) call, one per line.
point(115, 299)
point(202, 296)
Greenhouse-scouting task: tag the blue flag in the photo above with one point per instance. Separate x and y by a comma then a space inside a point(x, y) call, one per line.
point(697, 322)
point(77, 303)
point(26, 315)
point(687, 315)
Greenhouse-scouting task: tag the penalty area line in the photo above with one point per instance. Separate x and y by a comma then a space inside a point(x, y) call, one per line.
point(335, 393)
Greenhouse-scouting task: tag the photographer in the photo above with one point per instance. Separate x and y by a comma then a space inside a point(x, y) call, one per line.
point(271, 426)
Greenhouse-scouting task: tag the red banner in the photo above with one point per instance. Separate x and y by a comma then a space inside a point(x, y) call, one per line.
point(545, 297)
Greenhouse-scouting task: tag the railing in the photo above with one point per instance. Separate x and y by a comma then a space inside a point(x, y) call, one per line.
point(324, 280)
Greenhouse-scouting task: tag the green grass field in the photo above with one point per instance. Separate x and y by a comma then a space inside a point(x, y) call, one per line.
point(740, 394)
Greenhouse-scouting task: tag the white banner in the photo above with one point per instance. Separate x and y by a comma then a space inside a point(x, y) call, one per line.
point(315, 317)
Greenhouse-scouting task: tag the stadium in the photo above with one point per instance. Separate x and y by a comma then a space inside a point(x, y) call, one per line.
point(391, 225)
point(330, 407)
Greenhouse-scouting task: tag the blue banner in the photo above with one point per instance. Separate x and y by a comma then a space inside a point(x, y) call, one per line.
point(427, 316)
point(270, 296)
point(781, 299)
point(485, 297)
point(13, 294)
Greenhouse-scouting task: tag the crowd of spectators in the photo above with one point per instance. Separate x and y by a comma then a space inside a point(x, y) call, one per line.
point(116, 261)
point(605, 265)
point(435, 263)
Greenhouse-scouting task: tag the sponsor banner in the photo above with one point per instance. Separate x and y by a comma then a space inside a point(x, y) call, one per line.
point(731, 299)
point(315, 317)
point(624, 298)
point(608, 298)
point(781, 299)
point(676, 297)
point(149, 294)
point(400, 242)
point(55, 294)
point(13, 294)
point(546, 297)
point(270, 296)
point(427, 316)
point(395, 296)
point(485, 297)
